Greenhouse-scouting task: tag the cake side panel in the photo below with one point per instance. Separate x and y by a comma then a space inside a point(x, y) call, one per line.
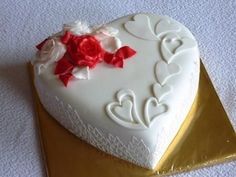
point(171, 131)
point(135, 151)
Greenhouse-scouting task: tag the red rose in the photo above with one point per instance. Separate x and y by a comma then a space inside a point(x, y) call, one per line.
point(84, 50)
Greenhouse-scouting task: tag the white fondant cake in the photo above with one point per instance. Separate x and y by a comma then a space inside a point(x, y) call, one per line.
point(131, 83)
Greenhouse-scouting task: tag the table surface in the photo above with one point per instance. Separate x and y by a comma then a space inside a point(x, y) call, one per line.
point(25, 23)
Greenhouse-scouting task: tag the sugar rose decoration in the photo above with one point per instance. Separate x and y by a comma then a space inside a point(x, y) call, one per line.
point(49, 51)
point(84, 50)
point(78, 50)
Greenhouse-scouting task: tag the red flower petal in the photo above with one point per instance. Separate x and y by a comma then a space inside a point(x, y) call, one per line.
point(117, 58)
point(83, 63)
point(75, 57)
point(118, 62)
point(125, 52)
point(65, 78)
point(66, 37)
point(108, 57)
point(40, 45)
point(63, 66)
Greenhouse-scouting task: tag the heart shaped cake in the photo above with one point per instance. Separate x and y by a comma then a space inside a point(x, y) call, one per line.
point(124, 87)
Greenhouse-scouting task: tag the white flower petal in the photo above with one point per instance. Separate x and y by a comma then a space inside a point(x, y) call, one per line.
point(77, 28)
point(111, 44)
point(52, 51)
point(81, 73)
point(100, 36)
point(108, 31)
point(58, 51)
point(39, 67)
point(107, 36)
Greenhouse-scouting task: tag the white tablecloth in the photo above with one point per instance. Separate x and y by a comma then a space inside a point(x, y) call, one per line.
point(24, 23)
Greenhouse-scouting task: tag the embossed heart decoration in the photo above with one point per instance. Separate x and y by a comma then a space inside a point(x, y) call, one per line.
point(125, 105)
point(161, 91)
point(165, 71)
point(124, 111)
point(172, 45)
point(139, 27)
point(166, 26)
point(156, 109)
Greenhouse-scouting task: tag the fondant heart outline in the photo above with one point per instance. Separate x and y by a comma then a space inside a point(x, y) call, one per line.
point(135, 121)
point(140, 27)
point(161, 107)
point(160, 91)
point(169, 39)
point(164, 71)
point(165, 26)
point(124, 110)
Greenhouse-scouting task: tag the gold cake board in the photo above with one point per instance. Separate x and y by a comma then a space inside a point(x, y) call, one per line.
point(205, 138)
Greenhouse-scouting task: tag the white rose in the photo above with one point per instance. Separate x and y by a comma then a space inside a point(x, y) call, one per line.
point(77, 28)
point(107, 36)
point(52, 51)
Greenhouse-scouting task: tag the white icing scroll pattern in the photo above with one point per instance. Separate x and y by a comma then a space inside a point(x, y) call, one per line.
point(171, 46)
point(135, 151)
